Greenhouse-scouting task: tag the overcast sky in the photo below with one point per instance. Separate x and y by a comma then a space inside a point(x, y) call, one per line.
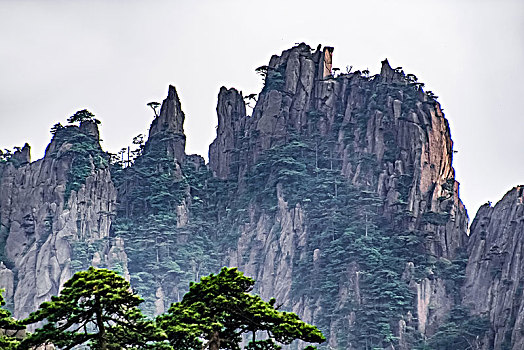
point(112, 57)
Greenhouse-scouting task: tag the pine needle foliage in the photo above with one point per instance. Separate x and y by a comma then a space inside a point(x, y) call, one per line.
point(96, 308)
point(218, 311)
point(7, 325)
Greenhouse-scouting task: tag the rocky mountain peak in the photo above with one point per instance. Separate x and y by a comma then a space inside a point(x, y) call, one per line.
point(168, 127)
point(385, 67)
point(378, 134)
point(231, 111)
point(89, 127)
point(65, 137)
point(23, 155)
point(337, 194)
point(50, 210)
point(171, 117)
point(391, 75)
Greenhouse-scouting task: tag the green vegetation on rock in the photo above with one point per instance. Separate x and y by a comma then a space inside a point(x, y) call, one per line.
point(167, 249)
point(81, 147)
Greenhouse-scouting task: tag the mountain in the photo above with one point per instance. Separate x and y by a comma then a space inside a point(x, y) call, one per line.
point(53, 210)
point(337, 194)
point(494, 274)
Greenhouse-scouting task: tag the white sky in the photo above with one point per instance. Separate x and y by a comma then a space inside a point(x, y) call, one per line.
point(112, 57)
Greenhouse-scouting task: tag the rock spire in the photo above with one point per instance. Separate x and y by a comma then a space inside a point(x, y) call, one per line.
point(168, 127)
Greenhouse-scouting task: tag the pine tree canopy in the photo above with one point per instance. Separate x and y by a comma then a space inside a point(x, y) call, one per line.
point(7, 326)
point(218, 310)
point(97, 308)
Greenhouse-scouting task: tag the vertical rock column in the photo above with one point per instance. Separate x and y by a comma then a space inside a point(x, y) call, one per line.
point(168, 127)
point(231, 112)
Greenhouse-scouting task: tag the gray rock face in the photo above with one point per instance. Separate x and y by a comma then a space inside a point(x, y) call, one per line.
point(90, 128)
point(23, 156)
point(41, 227)
point(170, 125)
point(231, 112)
point(8, 281)
point(295, 101)
point(383, 135)
point(494, 274)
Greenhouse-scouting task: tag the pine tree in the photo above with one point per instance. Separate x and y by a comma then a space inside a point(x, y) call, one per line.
point(7, 325)
point(219, 310)
point(81, 116)
point(98, 308)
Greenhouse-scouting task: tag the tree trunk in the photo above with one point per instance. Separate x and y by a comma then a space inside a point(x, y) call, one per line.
point(214, 342)
point(100, 324)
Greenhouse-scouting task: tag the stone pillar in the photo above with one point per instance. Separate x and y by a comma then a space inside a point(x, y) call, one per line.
point(327, 61)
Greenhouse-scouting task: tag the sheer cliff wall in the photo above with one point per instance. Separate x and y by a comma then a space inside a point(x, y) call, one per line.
point(494, 274)
point(381, 134)
point(45, 219)
point(337, 194)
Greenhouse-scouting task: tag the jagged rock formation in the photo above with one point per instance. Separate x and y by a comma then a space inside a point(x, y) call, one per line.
point(337, 195)
point(160, 216)
point(384, 118)
point(231, 112)
point(166, 142)
point(494, 274)
point(169, 126)
point(44, 217)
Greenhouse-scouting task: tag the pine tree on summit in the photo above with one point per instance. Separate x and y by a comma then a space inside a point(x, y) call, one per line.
point(82, 116)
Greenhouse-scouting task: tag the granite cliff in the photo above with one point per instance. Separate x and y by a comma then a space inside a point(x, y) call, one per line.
point(48, 219)
point(337, 194)
point(494, 274)
point(381, 138)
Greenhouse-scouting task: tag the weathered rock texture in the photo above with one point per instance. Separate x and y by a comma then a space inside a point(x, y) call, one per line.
point(405, 134)
point(169, 126)
point(495, 270)
point(376, 153)
point(153, 216)
point(231, 112)
point(40, 224)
